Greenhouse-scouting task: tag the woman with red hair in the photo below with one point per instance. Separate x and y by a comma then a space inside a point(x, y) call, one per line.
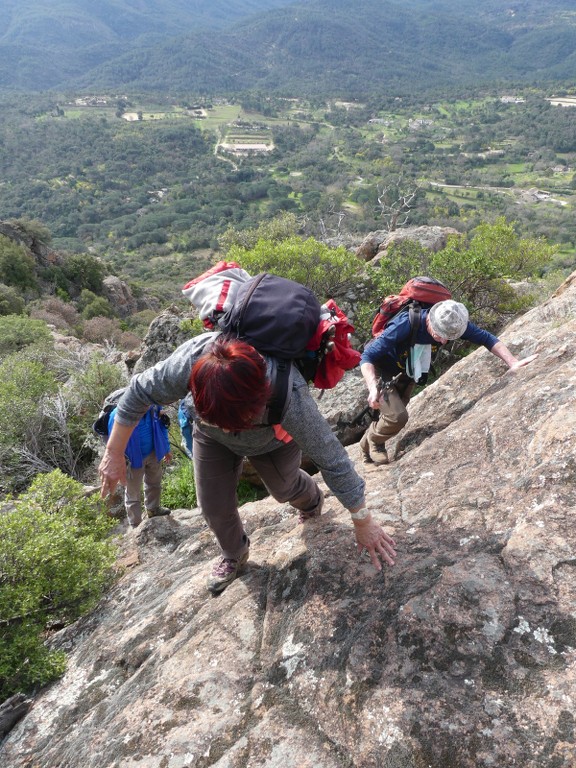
point(231, 385)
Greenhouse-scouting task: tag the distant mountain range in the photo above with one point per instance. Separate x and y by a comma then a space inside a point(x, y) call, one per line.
point(318, 47)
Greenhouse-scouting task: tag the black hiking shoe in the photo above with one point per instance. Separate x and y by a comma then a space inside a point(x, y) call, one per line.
point(160, 512)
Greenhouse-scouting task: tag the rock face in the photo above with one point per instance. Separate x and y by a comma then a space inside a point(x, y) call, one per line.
point(461, 655)
point(119, 296)
point(375, 244)
point(164, 335)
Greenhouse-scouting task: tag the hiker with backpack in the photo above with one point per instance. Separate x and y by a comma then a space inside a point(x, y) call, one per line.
point(400, 357)
point(144, 454)
point(248, 379)
point(231, 385)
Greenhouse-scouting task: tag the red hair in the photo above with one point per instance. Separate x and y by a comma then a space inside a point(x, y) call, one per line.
point(229, 384)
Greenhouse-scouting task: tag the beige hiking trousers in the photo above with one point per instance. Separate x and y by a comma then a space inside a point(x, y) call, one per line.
point(393, 413)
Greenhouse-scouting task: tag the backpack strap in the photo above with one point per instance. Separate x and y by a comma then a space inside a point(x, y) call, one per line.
point(415, 314)
point(281, 389)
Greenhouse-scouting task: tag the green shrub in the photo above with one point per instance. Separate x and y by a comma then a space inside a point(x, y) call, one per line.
point(178, 486)
point(11, 303)
point(477, 267)
point(46, 414)
point(17, 265)
point(25, 387)
point(100, 307)
point(84, 271)
point(326, 271)
point(282, 227)
point(55, 561)
point(193, 326)
point(17, 332)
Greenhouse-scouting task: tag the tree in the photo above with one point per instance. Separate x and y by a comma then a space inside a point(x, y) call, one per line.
point(84, 271)
point(395, 201)
point(11, 303)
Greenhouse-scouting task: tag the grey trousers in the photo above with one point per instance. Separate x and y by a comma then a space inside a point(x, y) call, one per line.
point(217, 471)
point(151, 475)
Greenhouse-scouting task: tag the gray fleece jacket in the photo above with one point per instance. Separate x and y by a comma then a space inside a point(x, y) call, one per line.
point(167, 382)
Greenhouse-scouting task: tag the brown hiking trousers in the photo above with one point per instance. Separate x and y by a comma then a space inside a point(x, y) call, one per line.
point(393, 412)
point(217, 472)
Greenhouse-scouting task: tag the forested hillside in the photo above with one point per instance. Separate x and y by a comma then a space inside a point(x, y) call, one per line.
point(153, 196)
point(43, 44)
point(321, 46)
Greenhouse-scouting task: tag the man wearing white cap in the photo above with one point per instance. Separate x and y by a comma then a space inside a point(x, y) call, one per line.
point(400, 360)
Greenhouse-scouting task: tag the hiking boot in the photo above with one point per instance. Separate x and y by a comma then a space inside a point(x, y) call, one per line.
point(379, 454)
point(365, 450)
point(308, 514)
point(160, 512)
point(224, 572)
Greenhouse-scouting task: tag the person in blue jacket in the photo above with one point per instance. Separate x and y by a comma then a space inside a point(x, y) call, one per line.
point(186, 422)
point(148, 447)
point(392, 365)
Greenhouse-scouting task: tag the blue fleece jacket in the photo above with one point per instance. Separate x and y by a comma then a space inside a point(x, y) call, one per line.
point(150, 435)
point(388, 352)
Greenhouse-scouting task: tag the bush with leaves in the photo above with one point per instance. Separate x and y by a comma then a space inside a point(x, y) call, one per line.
point(85, 393)
point(18, 331)
point(282, 227)
point(25, 430)
point(178, 486)
point(326, 271)
point(11, 302)
point(102, 330)
point(17, 265)
point(84, 271)
point(47, 406)
point(54, 311)
point(56, 559)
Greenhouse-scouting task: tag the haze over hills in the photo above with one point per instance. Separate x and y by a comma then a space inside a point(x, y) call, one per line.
point(43, 44)
point(322, 46)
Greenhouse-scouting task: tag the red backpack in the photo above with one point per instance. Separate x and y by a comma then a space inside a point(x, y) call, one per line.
point(419, 291)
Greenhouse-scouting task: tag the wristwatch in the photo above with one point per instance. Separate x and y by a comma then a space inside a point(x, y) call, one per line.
point(361, 514)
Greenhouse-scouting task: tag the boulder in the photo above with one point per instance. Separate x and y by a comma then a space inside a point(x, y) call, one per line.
point(119, 296)
point(164, 335)
point(375, 245)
